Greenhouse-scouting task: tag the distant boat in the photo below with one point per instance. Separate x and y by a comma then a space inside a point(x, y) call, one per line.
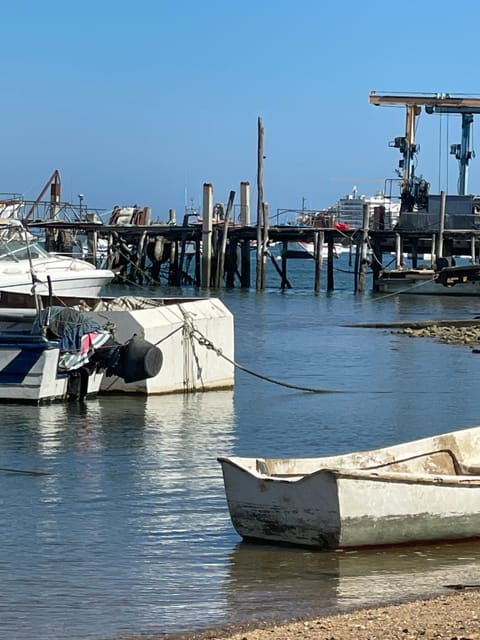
point(463, 280)
point(423, 490)
point(309, 248)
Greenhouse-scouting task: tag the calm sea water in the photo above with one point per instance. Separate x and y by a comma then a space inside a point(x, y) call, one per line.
point(129, 534)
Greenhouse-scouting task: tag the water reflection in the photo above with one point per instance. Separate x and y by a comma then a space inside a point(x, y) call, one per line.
point(129, 528)
point(130, 534)
point(279, 583)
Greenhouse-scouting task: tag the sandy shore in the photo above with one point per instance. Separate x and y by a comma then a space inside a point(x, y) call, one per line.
point(452, 616)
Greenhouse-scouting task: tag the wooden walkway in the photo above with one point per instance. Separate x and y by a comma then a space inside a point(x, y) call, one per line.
point(143, 253)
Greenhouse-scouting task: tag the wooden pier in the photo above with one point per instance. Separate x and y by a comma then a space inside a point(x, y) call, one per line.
point(146, 254)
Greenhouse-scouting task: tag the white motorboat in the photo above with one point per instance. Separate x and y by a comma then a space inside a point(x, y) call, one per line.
point(25, 266)
point(309, 249)
point(65, 354)
point(424, 490)
point(196, 336)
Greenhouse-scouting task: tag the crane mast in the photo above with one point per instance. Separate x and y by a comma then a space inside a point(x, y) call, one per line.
point(413, 189)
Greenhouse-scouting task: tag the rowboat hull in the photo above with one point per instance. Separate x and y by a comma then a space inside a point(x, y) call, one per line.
point(428, 490)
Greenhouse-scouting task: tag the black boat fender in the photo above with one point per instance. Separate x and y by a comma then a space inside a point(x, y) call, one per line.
point(139, 360)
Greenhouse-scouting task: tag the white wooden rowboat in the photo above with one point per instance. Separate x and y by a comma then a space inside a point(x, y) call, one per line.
point(423, 490)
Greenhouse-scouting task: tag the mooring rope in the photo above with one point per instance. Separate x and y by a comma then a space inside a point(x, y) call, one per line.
point(194, 333)
point(405, 289)
point(26, 472)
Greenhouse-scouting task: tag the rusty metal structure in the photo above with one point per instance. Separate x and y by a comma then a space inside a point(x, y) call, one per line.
point(414, 190)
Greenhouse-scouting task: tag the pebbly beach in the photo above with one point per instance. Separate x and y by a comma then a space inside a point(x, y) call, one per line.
point(453, 615)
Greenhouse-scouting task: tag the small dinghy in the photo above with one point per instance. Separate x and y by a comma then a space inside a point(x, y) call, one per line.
point(424, 490)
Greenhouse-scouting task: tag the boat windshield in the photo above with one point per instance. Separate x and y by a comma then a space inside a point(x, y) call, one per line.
point(16, 250)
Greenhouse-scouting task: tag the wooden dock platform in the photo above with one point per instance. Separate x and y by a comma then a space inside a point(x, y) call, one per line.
point(139, 253)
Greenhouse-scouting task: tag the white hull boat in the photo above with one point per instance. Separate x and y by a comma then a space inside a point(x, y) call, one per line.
point(65, 355)
point(196, 337)
point(25, 266)
point(309, 249)
point(425, 490)
point(30, 371)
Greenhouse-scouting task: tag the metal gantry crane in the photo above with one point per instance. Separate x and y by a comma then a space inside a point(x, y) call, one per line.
point(411, 188)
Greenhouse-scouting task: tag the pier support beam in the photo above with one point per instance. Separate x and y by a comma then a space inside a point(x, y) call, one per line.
point(330, 254)
point(245, 222)
point(260, 279)
point(207, 234)
point(363, 255)
point(441, 224)
point(319, 239)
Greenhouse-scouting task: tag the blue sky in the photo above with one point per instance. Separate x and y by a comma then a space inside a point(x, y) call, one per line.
point(142, 102)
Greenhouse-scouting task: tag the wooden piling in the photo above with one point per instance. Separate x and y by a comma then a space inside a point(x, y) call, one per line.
point(207, 234)
point(364, 247)
point(244, 204)
point(317, 254)
point(92, 242)
point(441, 224)
point(284, 282)
point(245, 243)
point(259, 274)
point(330, 258)
point(265, 243)
point(223, 245)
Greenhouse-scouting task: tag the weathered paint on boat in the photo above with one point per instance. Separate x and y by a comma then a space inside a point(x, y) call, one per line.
point(191, 336)
point(424, 490)
point(450, 281)
point(195, 335)
point(29, 370)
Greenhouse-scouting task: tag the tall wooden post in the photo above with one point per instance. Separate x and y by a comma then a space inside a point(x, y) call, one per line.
point(441, 224)
point(318, 245)
point(244, 204)
point(377, 260)
point(50, 234)
point(265, 242)
point(330, 252)
point(363, 257)
point(221, 256)
point(260, 277)
point(284, 265)
point(207, 234)
point(55, 189)
point(245, 221)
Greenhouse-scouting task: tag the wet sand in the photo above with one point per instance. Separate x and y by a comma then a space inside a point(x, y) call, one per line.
point(454, 615)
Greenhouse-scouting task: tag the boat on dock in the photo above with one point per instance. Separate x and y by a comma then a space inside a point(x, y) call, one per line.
point(420, 491)
point(462, 280)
